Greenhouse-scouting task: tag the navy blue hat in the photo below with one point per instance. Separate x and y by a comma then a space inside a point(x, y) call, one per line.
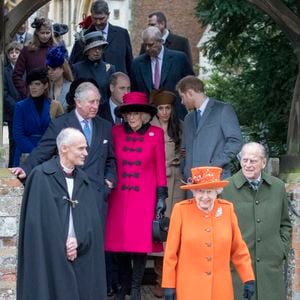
point(56, 56)
point(60, 29)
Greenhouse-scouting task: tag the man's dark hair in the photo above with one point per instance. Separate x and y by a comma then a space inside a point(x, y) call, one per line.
point(160, 17)
point(100, 7)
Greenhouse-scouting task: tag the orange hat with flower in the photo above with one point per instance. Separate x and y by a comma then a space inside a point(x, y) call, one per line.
point(205, 178)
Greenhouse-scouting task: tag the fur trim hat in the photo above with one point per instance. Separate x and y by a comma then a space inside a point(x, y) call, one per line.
point(161, 97)
point(93, 39)
point(40, 74)
point(56, 56)
point(135, 102)
point(205, 178)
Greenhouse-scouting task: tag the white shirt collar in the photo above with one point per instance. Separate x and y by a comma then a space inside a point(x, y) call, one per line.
point(160, 55)
point(80, 118)
point(112, 108)
point(165, 35)
point(203, 106)
point(105, 30)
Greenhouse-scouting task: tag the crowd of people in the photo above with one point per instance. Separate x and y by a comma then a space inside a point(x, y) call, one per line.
point(105, 143)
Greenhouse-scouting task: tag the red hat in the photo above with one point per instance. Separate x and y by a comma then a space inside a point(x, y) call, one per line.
point(205, 178)
point(135, 102)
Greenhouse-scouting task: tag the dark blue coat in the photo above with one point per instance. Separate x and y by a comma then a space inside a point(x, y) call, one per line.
point(100, 162)
point(118, 52)
point(100, 71)
point(175, 66)
point(29, 126)
point(10, 94)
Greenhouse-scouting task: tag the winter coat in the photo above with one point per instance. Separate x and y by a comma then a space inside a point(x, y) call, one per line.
point(264, 222)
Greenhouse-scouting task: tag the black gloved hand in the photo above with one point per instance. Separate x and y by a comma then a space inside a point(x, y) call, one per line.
point(161, 195)
point(249, 289)
point(170, 294)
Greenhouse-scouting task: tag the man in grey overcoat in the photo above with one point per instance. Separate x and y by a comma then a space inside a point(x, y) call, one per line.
point(261, 206)
point(211, 131)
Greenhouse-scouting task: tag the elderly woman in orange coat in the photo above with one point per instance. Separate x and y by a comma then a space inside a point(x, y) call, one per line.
point(203, 238)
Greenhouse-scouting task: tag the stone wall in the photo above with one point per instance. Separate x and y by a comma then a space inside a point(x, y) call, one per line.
point(10, 200)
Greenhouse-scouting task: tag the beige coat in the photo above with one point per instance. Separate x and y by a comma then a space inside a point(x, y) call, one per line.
point(172, 171)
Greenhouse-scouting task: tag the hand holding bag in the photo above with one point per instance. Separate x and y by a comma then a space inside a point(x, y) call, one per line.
point(160, 228)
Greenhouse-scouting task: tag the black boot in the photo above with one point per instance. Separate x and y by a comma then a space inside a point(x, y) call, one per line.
point(139, 264)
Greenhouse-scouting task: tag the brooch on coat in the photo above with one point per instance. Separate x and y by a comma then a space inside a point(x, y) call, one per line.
point(73, 203)
point(151, 133)
point(219, 212)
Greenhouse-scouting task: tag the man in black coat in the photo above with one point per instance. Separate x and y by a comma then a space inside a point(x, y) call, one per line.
point(118, 51)
point(170, 64)
point(100, 162)
point(119, 86)
point(171, 41)
point(61, 252)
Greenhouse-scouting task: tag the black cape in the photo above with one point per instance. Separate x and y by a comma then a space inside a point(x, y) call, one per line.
point(44, 272)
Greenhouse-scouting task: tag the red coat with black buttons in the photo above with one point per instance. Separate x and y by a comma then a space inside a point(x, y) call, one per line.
point(141, 169)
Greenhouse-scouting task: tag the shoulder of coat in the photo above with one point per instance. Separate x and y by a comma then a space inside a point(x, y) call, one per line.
point(225, 202)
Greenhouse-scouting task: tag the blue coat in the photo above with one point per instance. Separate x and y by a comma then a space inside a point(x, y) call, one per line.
point(215, 141)
point(175, 65)
point(29, 126)
point(100, 71)
point(118, 52)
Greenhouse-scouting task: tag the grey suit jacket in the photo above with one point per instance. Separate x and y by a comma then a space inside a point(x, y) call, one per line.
point(215, 141)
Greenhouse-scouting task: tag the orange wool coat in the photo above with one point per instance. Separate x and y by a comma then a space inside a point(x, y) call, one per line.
point(199, 249)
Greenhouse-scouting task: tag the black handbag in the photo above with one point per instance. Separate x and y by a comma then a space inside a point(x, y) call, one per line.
point(160, 228)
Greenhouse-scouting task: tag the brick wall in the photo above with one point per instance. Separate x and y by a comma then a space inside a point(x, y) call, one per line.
point(180, 18)
point(10, 199)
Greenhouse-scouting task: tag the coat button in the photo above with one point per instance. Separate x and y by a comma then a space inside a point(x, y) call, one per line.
point(258, 259)
point(257, 202)
point(208, 244)
point(206, 216)
point(208, 273)
point(209, 258)
point(258, 220)
point(258, 240)
point(208, 229)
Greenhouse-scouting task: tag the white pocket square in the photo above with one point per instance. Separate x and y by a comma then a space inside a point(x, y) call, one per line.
point(104, 141)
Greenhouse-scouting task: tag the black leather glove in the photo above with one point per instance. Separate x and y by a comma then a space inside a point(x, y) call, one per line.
point(170, 294)
point(161, 195)
point(249, 289)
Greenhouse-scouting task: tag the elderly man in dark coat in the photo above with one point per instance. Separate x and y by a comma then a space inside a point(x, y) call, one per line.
point(261, 206)
point(159, 67)
point(61, 253)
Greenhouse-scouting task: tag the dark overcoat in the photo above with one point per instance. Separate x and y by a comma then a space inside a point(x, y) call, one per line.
point(118, 52)
point(100, 162)
point(264, 222)
point(100, 71)
point(44, 272)
point(175, 66)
